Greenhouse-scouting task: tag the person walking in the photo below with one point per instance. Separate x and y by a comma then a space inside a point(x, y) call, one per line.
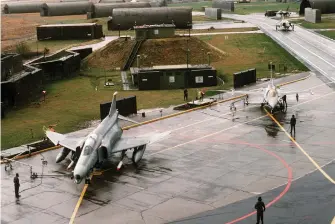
point(260, 207)
point(292, 123)
point(297, 97)
point(17, 185)
point(185, 95)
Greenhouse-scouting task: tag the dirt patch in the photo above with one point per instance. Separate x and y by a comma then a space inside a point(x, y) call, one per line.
point(173, 51)
point(169, 51)
point(112, 55)
point(22, 27)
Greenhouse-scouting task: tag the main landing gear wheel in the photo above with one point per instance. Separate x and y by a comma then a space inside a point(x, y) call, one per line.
point(283, 107)
point(87, 181)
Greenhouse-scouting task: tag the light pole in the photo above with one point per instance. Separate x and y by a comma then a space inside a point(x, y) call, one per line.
point(189, 28)
point(203, 56)
point(209, 57)
point(118, 26)
point(138, 61)
point(187, 55)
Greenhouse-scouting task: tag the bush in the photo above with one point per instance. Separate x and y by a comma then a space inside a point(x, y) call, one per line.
point(22, 48)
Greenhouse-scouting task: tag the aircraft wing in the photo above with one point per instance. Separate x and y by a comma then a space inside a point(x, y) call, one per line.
point(295, 92)
point(126, 143)
point(59, 139)
point(247, 92)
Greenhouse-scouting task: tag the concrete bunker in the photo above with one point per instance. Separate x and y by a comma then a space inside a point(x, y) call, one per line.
point(124, 19)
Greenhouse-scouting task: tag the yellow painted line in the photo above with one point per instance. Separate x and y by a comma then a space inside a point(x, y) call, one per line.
point(79, 202)
point(333, 222)
point(182, 112)
point(32, 154)
point(301, 149)
point(293, 81)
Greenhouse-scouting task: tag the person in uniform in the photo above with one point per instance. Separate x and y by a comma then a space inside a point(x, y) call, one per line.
point(260, 207)
point(17, 185)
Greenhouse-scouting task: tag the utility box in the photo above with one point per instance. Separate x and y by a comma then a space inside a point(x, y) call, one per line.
point(213, 13)
point(154, 31)
point(312, 15)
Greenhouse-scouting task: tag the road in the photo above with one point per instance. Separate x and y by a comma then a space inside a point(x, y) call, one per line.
point(315, 51)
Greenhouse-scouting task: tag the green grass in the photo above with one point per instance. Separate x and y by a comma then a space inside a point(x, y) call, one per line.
point(246, 8)
point(55, 45)
point(261, 7)
point(330, 34)
point(326, 23)
point(251, 51)
point(69, 103)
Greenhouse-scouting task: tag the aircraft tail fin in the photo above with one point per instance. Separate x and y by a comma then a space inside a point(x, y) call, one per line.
point(113, 105)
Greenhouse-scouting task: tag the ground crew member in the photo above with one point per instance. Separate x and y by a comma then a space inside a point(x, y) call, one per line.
point(293, 122)
point(17, 185)
point(202, 95)
point(260, 207)
point(185, 95)
point(297, 97)
point(284, 100)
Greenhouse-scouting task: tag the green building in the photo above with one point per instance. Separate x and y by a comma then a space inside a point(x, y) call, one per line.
point(154, 31)
point(173, 77)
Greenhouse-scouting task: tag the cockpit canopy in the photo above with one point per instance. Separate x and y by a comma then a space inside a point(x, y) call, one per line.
point(89, 144)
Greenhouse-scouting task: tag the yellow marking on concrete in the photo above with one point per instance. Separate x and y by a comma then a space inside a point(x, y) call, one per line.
point(293, 81)
point(183, 112)
point(31, 154)
point(301, 149)
point(333, 222)
point(79, 201)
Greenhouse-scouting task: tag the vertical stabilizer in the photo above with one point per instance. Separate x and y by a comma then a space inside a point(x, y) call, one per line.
point(113, 105)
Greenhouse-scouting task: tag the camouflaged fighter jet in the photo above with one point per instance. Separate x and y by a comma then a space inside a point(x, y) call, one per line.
point(102, 143)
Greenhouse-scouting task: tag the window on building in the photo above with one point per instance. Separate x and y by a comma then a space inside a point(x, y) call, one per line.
point(199, 79)
point(171, 79)
point(156, 32)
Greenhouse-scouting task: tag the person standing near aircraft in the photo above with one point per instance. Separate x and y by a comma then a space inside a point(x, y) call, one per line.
point(284, 100)
point(17, 185)
point(185, 95)
point(260, 207)
point(297, 97)
point(292, 123)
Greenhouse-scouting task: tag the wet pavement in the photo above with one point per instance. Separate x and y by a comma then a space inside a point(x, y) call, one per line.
point(211, 159)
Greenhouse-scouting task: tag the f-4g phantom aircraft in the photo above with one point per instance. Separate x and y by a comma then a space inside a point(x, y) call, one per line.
point(272, 97)
point(102, 143)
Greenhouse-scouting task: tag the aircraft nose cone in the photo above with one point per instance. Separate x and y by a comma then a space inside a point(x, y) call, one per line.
point(77, 178)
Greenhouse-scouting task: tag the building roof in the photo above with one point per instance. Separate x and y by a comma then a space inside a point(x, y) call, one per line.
point(72, 24)
point(170, 67)
point(155, 26)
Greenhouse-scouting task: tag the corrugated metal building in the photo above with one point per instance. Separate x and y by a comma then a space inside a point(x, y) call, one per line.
point(225, 5)
point(325, 6)
point(66, 8)
point(181, 17)
point(69, 31)
point(104, 10)
point(22, 7)
point(173, 77)
point(154, 31)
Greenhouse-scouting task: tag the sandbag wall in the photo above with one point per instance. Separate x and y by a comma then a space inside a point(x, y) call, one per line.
point(181, 17)
point(66, 8)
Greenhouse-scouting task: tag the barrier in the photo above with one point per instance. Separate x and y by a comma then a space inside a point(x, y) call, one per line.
point(125, 106)
point(244, 78)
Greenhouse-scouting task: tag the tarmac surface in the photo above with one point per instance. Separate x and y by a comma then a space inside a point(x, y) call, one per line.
point(213, 159)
